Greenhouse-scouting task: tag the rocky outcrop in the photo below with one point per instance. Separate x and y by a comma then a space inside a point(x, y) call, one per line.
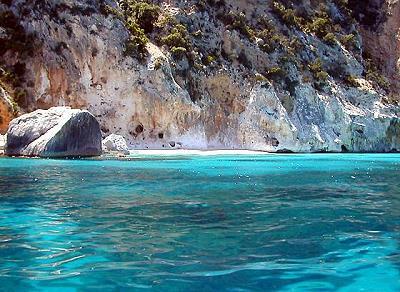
point(57, 132)
point(381, 39)
point(115, 143)
point(7, 111)
point(254, 79)
point(2, 144)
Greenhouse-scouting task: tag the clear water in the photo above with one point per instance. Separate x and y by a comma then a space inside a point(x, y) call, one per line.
point(225, 223)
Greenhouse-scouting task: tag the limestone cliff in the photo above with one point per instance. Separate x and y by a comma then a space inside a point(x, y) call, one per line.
point(251, 74)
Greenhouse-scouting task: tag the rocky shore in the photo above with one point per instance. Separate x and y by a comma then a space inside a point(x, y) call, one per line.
point(274, 76)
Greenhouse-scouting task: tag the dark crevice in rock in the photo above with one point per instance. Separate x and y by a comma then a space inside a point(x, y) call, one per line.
point(370, 13)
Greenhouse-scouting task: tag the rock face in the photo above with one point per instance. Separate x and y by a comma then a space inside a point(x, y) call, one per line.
point(115, 143)
point(6, 110)
point(57, 132)
point(2, 144)
point(255, 76)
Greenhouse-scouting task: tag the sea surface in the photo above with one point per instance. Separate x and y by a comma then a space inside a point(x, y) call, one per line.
point(322, 222)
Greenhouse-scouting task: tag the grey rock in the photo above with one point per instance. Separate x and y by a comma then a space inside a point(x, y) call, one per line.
point(2, 144)
point(57, 132)
point(115, 143)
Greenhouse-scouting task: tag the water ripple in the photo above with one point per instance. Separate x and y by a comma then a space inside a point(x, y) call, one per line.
point(286, 223)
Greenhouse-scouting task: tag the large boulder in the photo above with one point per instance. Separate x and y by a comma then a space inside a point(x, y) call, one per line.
point(57, 132)
point(115, 143)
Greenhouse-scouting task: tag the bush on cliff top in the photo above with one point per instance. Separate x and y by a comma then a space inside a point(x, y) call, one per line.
point(145, 14)
point(139, 18)
point(287, 15)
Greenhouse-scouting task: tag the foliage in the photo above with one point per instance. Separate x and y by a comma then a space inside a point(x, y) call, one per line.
point(239, 22)
point(139, 18)
point(178, 37)
point(178, 52)
point(145, 14)
point(260, 77)
point(330, 38)
point(209, 59)
point(351, 80)
point(373, 74)
point(348, 41)
point(294, 46)
point(320, 25)
point(287, 15)
point(11, 83)
point(177, 40)
point(270, 41)
point(319, 74)
point(136, 43)
point(275, 73)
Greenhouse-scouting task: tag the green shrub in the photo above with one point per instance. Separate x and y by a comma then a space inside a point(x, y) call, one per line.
point(260, 78)
point(322, 76)
point(275, 73)
point(8, 78)
point(175, 36)
point(178, 52)
point(330, 38)
point(319, 74)
point(145, 14)
point(178, 37)
point(315, 66)
point(294, 46)
point(239, 22)
point(351, 80)
point(12, 84)
point(267, 45)
point(373, 74)
point(139, 18)
point(272, 40)
point(349, 41)
point(137, 41)
point(320, 25)
point(287, 15)
point(209, 59)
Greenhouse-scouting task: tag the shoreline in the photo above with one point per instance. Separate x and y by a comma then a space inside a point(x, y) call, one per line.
point(184, 152)
point(145, 153)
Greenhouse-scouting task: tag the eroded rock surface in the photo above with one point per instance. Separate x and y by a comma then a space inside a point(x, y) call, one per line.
point(57, 132)
point(232, 91)
point(7, 112)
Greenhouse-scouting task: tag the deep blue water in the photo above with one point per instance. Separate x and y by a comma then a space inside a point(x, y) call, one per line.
point(224, 223)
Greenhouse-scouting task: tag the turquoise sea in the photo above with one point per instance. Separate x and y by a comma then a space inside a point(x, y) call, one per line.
point(322, 222)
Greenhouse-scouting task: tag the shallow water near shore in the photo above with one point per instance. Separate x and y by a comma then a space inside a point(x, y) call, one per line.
point(212, 223)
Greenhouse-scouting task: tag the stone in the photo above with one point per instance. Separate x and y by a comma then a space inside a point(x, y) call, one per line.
point(57, 132)
point(115, 143)
point(2, 144)
point(7, 111)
